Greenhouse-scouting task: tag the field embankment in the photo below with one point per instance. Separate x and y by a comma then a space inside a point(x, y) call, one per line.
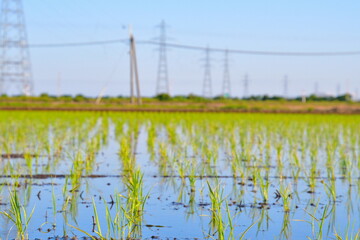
point(155, 105)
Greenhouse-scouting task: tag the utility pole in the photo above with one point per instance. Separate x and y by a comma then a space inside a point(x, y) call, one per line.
point(246, 86)
point(132, 98)
point(226, 79)
point(162, 85)
point(134, 75)
point(207, 89)
point(15, 65)
point(286, 86)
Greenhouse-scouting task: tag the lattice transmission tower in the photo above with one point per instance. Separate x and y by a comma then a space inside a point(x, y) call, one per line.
point(15, 65)
point(286, 86)
point(162, 85)
point(338, 89)
point(316, 89)
point(246, 86)
point(226, 77)
point(207, 88)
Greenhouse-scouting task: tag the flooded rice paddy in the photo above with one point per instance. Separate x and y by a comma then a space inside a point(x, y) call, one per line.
point(179, 175)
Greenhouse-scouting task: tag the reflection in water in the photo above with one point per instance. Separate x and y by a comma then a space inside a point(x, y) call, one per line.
point(286, 226)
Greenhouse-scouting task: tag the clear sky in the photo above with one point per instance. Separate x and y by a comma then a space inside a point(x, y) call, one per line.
point(306, 25)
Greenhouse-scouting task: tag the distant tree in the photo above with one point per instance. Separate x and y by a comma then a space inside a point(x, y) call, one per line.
point(197, 98)
point(346, 97)
point(179, 98)
point(79, 98)
point(163, 97)
point(44, 95)
point(66, 98)
point(278, 98)
point(220, 97)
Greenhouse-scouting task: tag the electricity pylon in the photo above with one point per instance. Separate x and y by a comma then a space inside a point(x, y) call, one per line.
point(207, 89)
point(226, 80)
point(286, 86)
point(246, 86)
point(162, 85)
point(316, 89)
point(15, 65)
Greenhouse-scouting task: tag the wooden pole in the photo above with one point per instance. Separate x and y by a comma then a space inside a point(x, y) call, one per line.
point(135, 69)
point(132, 99)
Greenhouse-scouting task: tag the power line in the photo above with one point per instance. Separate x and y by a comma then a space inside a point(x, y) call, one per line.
point(78, 44)
point(199, 48)
point(256, 52)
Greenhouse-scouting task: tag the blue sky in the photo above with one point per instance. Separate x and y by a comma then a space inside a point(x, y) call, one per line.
point(248, 25)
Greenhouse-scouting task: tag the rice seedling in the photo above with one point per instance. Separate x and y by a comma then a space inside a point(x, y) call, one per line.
point(54, 203)
point(18, 215)
point(355, 236)
point(135, 202)
point(217, 223)
point(126, 155)
point(264, 186)
point(330, 190)
point(192, 176)
point(317, 224)
point(97, 225)
point(286, 196)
